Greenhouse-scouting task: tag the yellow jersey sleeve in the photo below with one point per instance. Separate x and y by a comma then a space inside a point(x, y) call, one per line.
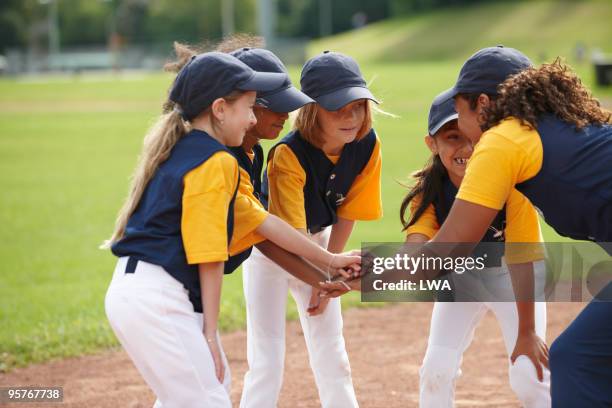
point(249, 213)
point(427, 224)
point(208, 191)
point(363, 200)
point(523, 234)
point(286, 181)
point(506, 154)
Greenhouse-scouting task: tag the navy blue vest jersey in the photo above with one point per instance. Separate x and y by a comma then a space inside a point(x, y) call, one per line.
point(254, 170)
point(573, 189)
point(327, 184)
point(495, 232)
point(153, 232)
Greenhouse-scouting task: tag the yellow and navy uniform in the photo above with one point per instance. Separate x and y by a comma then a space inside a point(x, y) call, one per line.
point(208, 190)
point(186, 214)
point(249, 213)
point(514, 151)
point(563, 171)
point(287, 179)
point(521, 226)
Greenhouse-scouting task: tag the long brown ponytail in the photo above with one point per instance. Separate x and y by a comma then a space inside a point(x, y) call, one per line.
point(157, 145)
point(552, 88)
point(428, 184)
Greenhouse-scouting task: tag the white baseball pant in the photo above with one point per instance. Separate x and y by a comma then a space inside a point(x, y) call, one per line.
point(452, 331)
point(265, 288)
point(150, 313)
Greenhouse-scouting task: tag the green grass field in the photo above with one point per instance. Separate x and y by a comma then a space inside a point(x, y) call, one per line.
point(543, 29)
point(67, 148)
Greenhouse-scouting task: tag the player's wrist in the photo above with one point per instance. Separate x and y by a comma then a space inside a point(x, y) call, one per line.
point(210, 333)
point(523, 331)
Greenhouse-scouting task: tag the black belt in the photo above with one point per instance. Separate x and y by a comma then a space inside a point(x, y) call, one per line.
point(130, 267)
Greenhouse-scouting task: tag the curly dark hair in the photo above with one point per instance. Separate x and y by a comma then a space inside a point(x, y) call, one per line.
point(240, 40)
point(552, 88)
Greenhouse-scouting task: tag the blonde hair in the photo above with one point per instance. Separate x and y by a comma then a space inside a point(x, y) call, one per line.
point(158, 144)
point(307, 124)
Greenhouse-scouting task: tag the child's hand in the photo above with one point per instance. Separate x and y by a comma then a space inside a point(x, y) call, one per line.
point(317, 304)
point(215, 351)
point(534, 348)
point(350, 259)
point(339, 287)
point(348, 273)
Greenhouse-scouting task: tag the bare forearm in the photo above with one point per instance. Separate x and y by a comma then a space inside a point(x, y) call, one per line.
point(464, 227)
point(418, 244)
point(523, 287)
point(340, 233)
point(292, 263)
point(287, 237)
point(526, 314)
point(211, 280)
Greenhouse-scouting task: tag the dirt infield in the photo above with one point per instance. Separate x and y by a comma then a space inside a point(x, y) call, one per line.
point(385, 347)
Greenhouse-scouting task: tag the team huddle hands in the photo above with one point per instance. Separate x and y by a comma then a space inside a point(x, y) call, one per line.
point(345, 278)
point(343, 268)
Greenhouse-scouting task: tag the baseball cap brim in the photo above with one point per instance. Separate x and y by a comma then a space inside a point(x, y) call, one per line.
point(285, 100)
point(454, 91)
point(263, 81)
point(337, 99)
point(443, 122)
point(490, 89)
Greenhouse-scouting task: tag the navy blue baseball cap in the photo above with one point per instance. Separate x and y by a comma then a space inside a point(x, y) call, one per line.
point(442, 111)
point(213, 75)
point(484, 71)
point(285, 98)
point(334, 80)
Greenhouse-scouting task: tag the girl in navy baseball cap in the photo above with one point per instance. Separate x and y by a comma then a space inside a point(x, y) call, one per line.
point(320, 178)
point(271, 110)
point(264, 286)
point(550, 139)
point(452, 323)
point(174, 232)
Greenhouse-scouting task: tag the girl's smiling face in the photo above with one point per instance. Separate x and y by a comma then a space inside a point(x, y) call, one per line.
point(238, 119)
point(454, 149)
